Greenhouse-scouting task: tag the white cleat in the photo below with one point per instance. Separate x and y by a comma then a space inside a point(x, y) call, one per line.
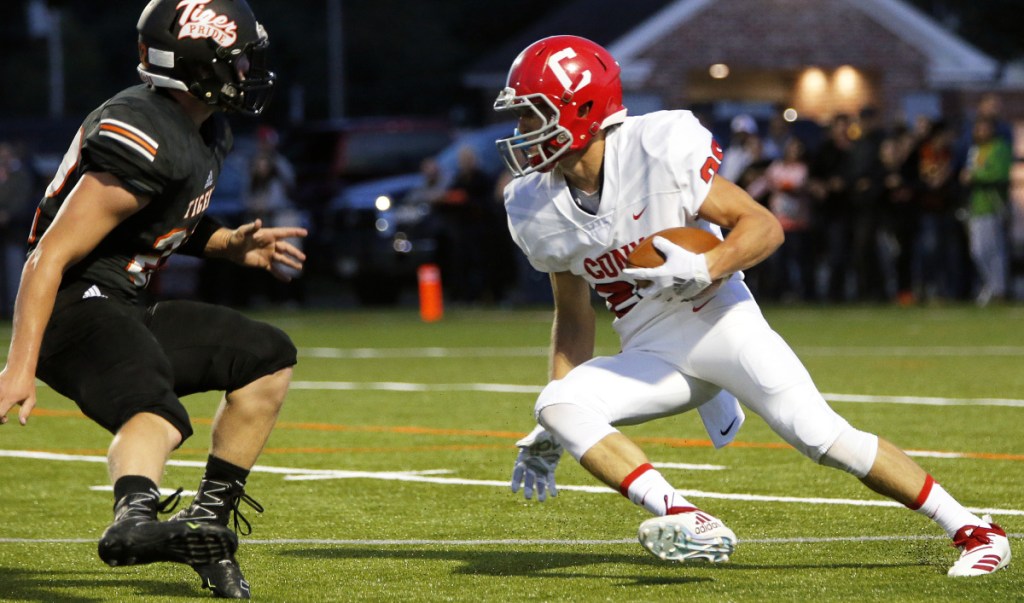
point(984, 550)
point(687, 536)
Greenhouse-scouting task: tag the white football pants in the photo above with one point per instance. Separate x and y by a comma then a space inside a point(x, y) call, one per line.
point(682, 360)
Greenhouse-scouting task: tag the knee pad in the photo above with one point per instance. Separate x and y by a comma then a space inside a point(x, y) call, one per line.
point(275, 349)
point(578, 428)
point(802, 417)
point(854, 452)
point(263, 349)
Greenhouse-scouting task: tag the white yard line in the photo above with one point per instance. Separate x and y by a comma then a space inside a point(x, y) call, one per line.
point(432, 477)
point(497, 352)
point(507, 388)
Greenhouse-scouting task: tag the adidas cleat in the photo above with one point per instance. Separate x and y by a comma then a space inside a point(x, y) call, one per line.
point(224, 578)
point(689, 535)
point(140, 540)
point(984, 550)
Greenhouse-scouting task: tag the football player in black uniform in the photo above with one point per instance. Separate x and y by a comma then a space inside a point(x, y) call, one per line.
point(133, 188)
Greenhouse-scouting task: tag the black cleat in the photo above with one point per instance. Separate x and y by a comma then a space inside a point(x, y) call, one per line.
point(136, 537)
point(224, 578)
point(215, 504)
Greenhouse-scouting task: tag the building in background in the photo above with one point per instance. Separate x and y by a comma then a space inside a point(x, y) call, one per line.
point(816, 57)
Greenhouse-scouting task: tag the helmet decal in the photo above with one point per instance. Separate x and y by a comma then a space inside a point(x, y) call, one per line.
point(198, 22)
point(215, 50)
point(555, 64)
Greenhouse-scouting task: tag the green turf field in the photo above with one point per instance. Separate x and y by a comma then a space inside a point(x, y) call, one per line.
point(386, 479)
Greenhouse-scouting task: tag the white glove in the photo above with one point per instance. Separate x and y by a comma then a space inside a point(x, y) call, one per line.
point(685, 272)
point(539, 453)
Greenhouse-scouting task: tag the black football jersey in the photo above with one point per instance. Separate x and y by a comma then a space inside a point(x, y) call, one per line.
point(145, 138)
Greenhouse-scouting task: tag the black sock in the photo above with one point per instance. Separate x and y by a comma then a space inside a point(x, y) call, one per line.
point(223, 471)
point(132, 484)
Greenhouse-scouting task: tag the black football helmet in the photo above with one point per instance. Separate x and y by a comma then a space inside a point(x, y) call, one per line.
point(213, 49)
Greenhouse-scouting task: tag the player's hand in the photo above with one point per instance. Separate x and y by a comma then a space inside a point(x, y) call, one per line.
point(539, 453)
point(684, 272)
point(16, 391)
point(267, 248)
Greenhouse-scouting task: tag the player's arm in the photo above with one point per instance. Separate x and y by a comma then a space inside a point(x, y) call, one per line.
point(572, 332)
point(257, 247)
point(94, 208)
point(754, 233)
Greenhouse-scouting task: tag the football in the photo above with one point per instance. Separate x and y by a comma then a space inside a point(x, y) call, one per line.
point(691, 239)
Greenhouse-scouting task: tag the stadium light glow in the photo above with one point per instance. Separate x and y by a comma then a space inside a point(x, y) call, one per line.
point(813, 81)
point(847, 81)
point(719, 71)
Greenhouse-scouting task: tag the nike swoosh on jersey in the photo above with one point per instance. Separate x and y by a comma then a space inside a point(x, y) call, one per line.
point(701, 307)
point(636, 216)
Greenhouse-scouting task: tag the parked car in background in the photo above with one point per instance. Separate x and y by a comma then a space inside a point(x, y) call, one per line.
point(378, 238)
point(332, 154)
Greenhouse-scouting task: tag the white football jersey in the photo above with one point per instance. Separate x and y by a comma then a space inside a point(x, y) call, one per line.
point(658, 169)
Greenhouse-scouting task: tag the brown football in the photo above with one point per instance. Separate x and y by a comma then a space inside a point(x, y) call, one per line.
point(689, 238)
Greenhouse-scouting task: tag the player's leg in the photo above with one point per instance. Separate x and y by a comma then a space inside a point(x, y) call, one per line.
point(97, 352)
point(251, 362)
point(745, 355)
point(581, 410)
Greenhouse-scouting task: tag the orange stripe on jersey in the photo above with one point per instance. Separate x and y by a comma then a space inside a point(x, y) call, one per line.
point(35, 224)
point(131, 136)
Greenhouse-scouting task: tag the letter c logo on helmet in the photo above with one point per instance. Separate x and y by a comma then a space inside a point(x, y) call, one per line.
point(568, 84)
point(555, 64)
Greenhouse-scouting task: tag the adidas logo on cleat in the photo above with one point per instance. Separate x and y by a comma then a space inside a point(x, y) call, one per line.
point(705, 524)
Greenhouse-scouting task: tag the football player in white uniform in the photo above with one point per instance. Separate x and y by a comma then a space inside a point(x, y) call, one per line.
point(590, 184)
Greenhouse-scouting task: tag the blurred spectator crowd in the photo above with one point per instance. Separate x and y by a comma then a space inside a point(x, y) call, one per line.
point(905, 213)
point(902, 214)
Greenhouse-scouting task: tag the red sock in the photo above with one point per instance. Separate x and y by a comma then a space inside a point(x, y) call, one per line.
point(646, 487)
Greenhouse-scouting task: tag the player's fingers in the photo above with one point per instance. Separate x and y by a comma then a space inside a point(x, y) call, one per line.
point(517, 477)
point(551, 485)
point(287, 260)
point(5, 407)
point(528, 484)
point(665, 246)
point(26, 409)
point(287, 232)
point(639, 273)
point(284, 247)
point(250, 228)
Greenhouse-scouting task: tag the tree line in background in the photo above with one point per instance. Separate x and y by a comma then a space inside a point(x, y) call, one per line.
point(401, 56)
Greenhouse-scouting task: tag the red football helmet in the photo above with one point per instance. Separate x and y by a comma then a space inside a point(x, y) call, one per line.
point(572, 86)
